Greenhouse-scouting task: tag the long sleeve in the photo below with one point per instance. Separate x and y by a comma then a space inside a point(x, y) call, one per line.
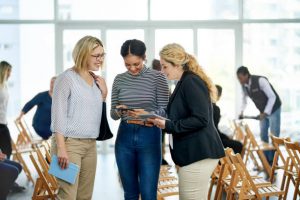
point(114, 100)
point(244, 100)
point(37, 99)
point(266, 88)
point(59, 107)
point(197, 101)
point(162, 94)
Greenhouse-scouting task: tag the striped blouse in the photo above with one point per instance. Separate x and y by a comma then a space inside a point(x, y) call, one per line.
point(148, 90)
point(76, 106)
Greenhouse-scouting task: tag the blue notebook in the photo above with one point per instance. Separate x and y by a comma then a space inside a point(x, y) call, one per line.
point(69, 174)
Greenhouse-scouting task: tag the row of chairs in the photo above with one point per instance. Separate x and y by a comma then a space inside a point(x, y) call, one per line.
point(45, 186)
point(167, 184)
point(233, 177)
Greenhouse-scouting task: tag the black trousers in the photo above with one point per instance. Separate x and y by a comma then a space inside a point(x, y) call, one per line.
point(5, 140)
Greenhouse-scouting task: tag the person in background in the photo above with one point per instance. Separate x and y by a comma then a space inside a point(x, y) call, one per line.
point(194, 141)
point(9, 172)
point(138, 144)
point(227, 142)
point(156, 66)
point(42, 118)
point(5, 138)
point(266, 100)
point(76, 115)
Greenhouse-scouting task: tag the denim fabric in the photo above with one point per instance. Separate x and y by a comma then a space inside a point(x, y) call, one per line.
point(9, 171)
point(273, 122)
point(138, 155)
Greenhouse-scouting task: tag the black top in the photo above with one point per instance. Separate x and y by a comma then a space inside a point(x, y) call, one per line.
point(259, 98)
point(191, 122)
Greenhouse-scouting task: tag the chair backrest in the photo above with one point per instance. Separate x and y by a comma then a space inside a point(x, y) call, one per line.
point(46, 184)
point(23, 131)
point(277, 143)
point(238, 133)
point(293, 149)
point(247, 183)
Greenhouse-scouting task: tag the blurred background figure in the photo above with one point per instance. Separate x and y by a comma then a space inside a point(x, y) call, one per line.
point(156, 66)
point(266, 100)
point(5, 138)
point(42, 118)
point(227, 142)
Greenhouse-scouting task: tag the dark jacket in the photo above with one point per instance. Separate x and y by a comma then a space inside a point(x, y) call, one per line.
point(191, 122)
point(259, 98)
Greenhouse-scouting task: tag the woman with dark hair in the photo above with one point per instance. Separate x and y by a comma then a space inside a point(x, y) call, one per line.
point(138, 144)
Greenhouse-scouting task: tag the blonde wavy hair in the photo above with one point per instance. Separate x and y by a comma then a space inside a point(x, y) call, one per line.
point(83, 49)
point(4, 68)
point(177, 56)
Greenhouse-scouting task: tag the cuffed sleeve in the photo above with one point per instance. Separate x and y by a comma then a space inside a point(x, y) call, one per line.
point(59, 109)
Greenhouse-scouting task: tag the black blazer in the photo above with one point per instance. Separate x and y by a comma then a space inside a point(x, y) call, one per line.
point(191, 122)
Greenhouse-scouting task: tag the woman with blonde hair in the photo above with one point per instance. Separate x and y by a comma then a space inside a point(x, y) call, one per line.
point(194, 141)
point(76, 116)
point(5, 139)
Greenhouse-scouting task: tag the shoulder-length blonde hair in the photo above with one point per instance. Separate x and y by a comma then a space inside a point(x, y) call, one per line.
point(83, 49)
point(176, 55)
point(4, 68)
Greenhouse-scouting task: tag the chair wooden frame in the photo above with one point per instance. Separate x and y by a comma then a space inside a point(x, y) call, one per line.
point(44, 188)
point(248, 189)
point(258, 148)
point(167, 184)
point(18, 156)
point(293, 150)
point(279, 142)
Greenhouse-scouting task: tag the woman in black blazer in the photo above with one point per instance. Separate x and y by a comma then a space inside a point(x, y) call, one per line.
point(194, 141)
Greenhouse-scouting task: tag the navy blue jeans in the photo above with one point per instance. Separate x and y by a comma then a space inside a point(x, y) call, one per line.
point(9, 171)
point(273, 122)
point(138, 155)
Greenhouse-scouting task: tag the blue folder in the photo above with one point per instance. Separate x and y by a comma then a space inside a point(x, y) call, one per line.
point(69, 174)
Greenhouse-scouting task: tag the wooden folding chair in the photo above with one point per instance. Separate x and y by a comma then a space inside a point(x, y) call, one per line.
point(44, 187)
point(25, 137)
point(277, 143)
point(167, 184)
point(228, 178)
point(248, 189)
point(257, 147)
point(18, 156)
point(240, 136)
point(293, 150)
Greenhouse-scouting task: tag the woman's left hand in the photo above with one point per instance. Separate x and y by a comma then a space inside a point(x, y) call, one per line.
point(160, 123)
point(102, 85)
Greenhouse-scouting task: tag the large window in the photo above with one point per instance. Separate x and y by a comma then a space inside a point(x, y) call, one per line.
point(274, 51)
point(38, 37)
point(216, 54)
point(102, 10)
point(193, 10)
point(275, 9)
point(27, 9)
point(30, 51)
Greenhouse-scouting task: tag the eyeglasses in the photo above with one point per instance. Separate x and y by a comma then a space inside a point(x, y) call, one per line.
point(98, 56)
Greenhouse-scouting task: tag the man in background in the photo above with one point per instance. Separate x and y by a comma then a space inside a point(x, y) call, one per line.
point(266, 100)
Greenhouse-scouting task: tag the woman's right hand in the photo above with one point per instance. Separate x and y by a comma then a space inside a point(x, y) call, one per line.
point(63, 159)
point(122, 112)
